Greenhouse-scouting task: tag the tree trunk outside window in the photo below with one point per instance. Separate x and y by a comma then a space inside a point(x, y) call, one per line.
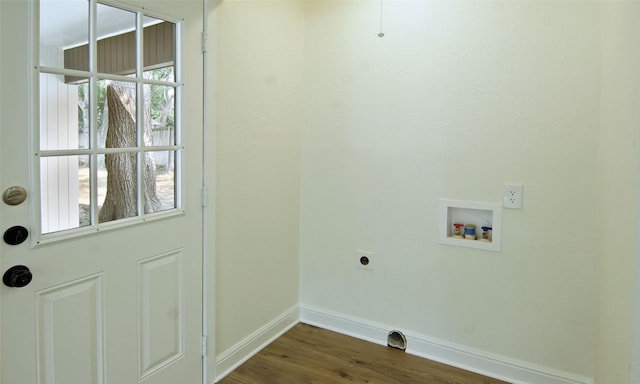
point(121, 196)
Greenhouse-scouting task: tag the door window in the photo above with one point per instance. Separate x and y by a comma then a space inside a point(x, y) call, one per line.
point(107, 138)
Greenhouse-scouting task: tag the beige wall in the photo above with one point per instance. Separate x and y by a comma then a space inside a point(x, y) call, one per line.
point(457, 99)
point(259, 106)
point(331, 139)
point(618, 192)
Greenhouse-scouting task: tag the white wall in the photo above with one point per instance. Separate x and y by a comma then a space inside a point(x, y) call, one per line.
point(258, 117)
point(457, 99)
point(618, 140)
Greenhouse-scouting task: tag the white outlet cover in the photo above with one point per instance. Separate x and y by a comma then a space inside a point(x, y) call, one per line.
point(512, 196)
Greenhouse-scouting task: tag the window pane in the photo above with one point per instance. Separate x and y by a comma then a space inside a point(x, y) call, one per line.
point(159, 38)
point(64, 33)
point(84, 189)
point(121, 118)
point(118, 181)
point(65, 197)
point(161, 74)
point(116, 114)
point(64, 113)
point(160, 183)
point(116, 40)
point(160, 100)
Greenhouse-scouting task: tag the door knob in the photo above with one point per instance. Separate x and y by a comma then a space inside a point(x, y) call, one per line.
point(17, 276)
point(14, 195)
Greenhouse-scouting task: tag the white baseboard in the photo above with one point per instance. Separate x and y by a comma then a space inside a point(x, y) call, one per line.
point(252, 344)
point(484, 363)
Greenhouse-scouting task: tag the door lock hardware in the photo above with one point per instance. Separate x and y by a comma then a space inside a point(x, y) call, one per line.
point(17, 276)
point(15, 235)
point(15, 195)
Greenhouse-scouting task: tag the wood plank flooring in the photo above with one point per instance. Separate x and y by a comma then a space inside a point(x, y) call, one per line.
point(311, 355)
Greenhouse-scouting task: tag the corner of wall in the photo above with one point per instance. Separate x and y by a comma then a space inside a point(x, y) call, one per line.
point(252, 344)
point(618, 175)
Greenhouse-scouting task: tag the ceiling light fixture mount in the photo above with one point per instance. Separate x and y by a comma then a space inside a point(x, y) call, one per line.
point(381, 34)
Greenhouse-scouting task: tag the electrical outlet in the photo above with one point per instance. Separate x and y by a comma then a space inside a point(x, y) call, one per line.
point(512, 196)
point(365, 260)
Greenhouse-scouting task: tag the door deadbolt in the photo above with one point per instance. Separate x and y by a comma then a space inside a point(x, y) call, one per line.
point(17, 276)
point(15, 195)
point(15, 235)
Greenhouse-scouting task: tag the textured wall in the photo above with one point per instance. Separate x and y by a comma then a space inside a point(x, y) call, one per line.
point(620, 121)
point(259, 109)
point(457, 99)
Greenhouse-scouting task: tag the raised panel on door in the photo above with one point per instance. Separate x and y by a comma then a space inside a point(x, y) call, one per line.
point(70, 332)
point(161, 304)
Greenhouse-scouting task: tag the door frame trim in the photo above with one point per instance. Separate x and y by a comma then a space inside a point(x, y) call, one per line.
point(208, 200)
point(635, 331)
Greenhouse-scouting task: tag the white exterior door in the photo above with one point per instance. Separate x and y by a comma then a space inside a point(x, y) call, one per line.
point(115, 302)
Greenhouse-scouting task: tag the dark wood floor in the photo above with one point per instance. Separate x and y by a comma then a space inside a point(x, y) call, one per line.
point(307, 354)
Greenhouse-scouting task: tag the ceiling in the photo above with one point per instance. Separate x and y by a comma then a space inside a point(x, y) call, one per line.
point(64, 23)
